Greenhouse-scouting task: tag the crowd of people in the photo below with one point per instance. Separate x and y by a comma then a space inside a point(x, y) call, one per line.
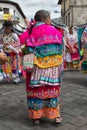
point(43, 83)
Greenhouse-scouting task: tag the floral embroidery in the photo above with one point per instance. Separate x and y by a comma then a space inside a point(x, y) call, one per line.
point(36, 103)
point(48, 61)
point(43, 92)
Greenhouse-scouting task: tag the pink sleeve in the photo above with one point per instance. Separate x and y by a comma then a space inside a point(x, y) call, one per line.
point(23, 37)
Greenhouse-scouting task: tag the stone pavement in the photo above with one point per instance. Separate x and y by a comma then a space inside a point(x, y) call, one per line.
point(13, 105)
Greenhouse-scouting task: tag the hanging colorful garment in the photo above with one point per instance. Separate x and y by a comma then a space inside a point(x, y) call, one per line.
point(84, 50)
point(79, 32)
point(84, 38)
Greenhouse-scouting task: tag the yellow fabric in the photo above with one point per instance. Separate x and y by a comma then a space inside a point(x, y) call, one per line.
point(48, 61)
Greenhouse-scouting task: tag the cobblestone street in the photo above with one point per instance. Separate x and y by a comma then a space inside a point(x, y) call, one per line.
point(13, 105)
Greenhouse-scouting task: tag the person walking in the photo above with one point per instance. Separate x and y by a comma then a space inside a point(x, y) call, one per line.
point(11, 46)
point(72, 52)
point(43, 84)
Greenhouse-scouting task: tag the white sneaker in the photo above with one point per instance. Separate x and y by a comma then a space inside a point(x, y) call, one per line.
point(17, 80)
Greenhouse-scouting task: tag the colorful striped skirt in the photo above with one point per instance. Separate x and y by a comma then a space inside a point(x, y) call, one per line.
point(43, 99)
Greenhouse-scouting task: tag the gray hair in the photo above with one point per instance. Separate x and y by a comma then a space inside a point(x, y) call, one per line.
point(41, 14)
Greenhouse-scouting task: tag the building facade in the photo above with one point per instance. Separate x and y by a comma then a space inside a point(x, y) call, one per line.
point(10, 10)
point(73, 12)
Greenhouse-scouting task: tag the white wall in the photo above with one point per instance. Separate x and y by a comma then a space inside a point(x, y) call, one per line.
point(3, 5)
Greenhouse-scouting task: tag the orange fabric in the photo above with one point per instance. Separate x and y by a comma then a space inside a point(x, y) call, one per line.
point(46, 112)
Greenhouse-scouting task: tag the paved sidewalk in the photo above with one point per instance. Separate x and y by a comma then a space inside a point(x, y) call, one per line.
point(13, 105)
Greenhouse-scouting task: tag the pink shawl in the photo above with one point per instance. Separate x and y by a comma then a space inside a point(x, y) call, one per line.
point(42, 34)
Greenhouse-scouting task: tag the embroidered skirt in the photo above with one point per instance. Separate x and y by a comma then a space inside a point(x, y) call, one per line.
point(38, 108)
point(43, 94)
point(48, 76)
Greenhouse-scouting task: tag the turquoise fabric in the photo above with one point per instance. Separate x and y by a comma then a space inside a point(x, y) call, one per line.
point(37, 104)
point(49, 80)
point(84, 66)
point(80, 31)
point(47, 50)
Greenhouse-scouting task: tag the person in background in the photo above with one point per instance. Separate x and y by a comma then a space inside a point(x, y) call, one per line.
point(72, 53)
point(43, 84)
point(11, 46)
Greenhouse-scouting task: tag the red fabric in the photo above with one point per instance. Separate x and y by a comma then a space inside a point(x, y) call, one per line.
point(61, 30)
point(42, 92)
point(75, 56)
point(12, 54)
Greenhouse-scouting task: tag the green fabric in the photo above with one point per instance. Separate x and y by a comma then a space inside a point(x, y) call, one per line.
point(44, 50)
point(81, 52)
point(38, 104)
point(1, 70)
point(84, 66)
point(25, 50)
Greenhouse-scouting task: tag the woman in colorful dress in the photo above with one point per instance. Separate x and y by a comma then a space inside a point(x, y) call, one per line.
point(11, 46)
point(72, 52)
point(44, 82)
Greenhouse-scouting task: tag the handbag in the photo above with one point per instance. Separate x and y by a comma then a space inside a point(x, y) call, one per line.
point(28, 62)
